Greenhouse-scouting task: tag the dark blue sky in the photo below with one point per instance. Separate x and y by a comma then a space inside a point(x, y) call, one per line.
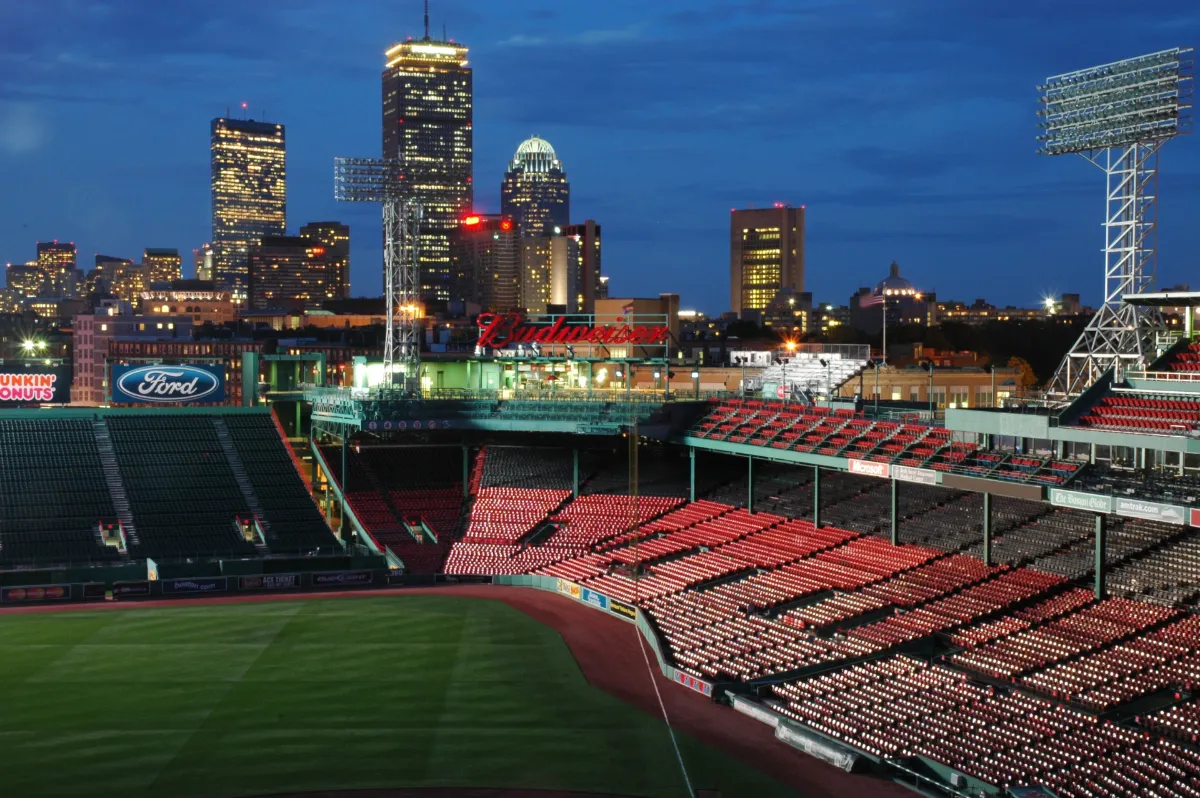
point(906, 126)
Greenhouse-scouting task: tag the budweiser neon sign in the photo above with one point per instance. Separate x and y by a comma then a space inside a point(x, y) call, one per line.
point(27, 387)
point(501, 329)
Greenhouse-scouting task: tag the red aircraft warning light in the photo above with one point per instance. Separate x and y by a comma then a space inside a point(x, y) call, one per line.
point(471, 221)
point(506, 225)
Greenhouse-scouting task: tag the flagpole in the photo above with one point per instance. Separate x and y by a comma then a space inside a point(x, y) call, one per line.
point(883, 305)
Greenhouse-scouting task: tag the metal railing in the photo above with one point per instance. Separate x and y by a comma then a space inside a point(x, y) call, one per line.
point(1165, 376)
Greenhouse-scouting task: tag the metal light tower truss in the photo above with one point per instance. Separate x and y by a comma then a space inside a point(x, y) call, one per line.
point(1117, 116)
point(379, 180)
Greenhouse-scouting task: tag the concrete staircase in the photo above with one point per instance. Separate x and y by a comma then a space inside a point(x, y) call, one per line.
point(242, 479)
point(112, 477)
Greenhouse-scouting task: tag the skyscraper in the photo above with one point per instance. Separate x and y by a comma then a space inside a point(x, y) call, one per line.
point(57, 262)
point(486, 261)
point(162, 265)
point(335, 238)
point(587, 264)
point(766, 254)
point(427, 116)
point(286, 272)
point(249, 193)
point(202, 262)
point(535, 192)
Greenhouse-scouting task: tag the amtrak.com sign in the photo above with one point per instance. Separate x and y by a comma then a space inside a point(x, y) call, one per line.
point(168, 384)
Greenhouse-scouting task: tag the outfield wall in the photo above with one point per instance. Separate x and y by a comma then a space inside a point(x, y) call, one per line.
point(131, 587)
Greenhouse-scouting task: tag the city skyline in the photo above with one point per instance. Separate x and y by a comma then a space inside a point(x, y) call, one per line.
point(927, 160)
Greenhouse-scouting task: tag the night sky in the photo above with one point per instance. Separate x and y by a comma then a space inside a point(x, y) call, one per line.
point(907, 127)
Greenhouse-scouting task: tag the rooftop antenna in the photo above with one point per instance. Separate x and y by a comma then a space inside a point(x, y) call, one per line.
point(443, 31)
point(426, 20)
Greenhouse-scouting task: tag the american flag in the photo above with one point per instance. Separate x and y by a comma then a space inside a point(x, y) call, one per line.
point(870, 300)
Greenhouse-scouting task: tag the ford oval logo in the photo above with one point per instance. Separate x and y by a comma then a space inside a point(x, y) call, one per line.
point(170, 384)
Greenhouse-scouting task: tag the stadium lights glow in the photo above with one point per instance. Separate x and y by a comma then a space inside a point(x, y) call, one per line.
point(32, 345)
point(1126, 102)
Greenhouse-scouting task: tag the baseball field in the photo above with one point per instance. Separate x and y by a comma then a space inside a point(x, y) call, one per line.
point(289, 696)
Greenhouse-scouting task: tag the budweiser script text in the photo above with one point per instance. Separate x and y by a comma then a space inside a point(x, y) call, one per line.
point(501, 329)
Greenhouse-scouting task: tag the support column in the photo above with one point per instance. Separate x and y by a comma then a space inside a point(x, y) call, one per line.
point(691, 473)
point(987, 529)
point(299, 406)
point(466, 479)
point(1101, 545)
point(750, 484)
point(895, 513)
point(574, 472)
point(817, 496)
point(345, 481)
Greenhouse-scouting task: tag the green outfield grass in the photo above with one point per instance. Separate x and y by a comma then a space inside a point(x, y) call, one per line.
point(249, 699)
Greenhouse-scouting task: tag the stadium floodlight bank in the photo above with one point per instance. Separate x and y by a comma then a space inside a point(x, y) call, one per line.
point(1117, 116)
point(1134, 101)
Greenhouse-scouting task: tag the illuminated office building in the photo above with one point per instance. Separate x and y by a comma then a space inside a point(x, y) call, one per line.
point(427, 113)
point(202, 262)
point(249, 193)
point(536, 273)
point(486, 262)
point(334, 237)
point(57, 262)
point(25, 281)
point(535, 193)
point(766, 255)
point(162, 265)
point(589, 285)
point(287, 272)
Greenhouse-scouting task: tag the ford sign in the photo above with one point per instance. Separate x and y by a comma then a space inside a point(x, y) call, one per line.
point(168, 384)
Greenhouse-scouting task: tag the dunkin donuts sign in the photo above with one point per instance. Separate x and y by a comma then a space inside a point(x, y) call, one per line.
point(43, 385)
point(497, 330)
point(168, 384)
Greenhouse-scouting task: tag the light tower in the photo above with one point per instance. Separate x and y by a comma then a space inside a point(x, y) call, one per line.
point(380, 180)
point(1117, 116)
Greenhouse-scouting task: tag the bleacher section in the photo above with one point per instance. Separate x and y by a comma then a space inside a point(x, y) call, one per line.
point(185, 498)
point(409, 499)
point(162, 460)
point(1136, 411)
point(186, 485)
point(52, 493)
point(1185, 360)
point(739, 596)
point(292, 521)
point(844, 433)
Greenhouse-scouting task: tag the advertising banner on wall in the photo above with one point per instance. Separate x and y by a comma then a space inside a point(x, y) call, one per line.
point(178, 384)
point(922, 476)
point(21, 385)
point(342, 578)
point(1151, 511)
point(622, 609)
point(869, 468)
point(21, 595)
point(1081, 501)
point(130, 589)
point(270, 582)
point(213, 584)
point(692, 683)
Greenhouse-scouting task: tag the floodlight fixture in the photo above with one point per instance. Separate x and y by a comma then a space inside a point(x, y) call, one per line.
point(1117, 116)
